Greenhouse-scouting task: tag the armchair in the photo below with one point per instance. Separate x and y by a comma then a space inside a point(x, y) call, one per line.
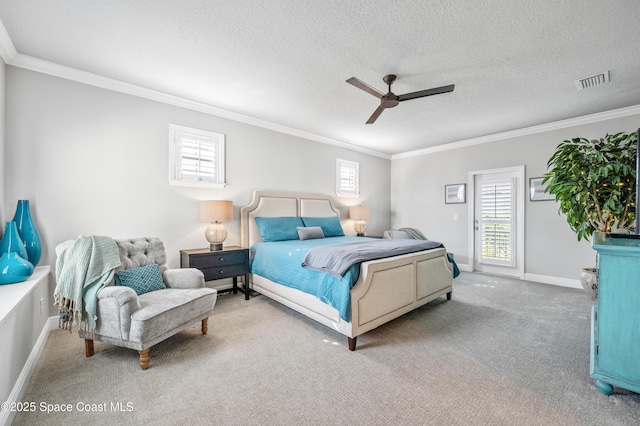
point(140, 321)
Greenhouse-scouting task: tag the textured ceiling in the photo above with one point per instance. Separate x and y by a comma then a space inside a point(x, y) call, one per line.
point(513, 62)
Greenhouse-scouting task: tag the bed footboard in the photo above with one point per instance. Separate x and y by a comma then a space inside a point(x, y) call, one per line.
point(389, 288)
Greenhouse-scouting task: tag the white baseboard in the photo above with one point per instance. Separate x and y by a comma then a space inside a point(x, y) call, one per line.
point(6, 417)
point(545, 279)
point(464, 267)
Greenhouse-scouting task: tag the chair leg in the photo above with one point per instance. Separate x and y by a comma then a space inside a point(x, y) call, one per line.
point(205, 325)
point(88, 347)
point(144, 358)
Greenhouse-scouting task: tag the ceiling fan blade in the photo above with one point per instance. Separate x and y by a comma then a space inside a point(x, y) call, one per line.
point(428, 92)
point(375, 115)
point(364, 86)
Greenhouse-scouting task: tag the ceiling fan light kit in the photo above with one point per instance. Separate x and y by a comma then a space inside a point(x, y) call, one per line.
point(390, 99)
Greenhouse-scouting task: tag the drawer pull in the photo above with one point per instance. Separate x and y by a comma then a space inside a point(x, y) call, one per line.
point(221, 259)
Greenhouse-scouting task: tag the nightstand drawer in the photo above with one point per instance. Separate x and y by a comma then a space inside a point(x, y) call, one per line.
point(227, 271)
point(230, 262)
point(218, 260)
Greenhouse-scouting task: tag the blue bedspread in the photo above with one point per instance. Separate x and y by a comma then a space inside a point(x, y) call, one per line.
point(281, 262)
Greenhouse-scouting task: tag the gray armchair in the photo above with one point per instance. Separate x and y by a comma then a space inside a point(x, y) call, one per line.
point(140, 321)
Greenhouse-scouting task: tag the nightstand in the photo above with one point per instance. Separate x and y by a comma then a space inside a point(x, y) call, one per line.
point(230, 262)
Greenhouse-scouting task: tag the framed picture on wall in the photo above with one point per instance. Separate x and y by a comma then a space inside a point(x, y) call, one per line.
point(536, 190)
point(455, 194)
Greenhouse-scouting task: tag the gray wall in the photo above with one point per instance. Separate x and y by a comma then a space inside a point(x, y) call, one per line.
point(3, 213)
point(95, 162)
point(551, 248)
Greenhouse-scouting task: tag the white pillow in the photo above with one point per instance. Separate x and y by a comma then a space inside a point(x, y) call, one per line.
point(309, 232)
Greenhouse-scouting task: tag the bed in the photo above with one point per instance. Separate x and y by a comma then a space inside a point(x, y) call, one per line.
point(384, 290)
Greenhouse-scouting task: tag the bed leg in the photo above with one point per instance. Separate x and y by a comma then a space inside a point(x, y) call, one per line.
point(352, 343)
point(449, 295)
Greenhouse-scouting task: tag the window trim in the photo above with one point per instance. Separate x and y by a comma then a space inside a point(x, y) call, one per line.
point(175, 145)
point(355, 167)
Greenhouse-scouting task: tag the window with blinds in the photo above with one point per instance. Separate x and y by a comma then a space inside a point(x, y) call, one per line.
point(197, 156)
point(347, 178)
point(498, 222)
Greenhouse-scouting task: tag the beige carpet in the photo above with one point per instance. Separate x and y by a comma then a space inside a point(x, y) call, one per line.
point(502, 352)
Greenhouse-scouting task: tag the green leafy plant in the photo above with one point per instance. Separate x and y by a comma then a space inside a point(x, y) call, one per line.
point(595, 183)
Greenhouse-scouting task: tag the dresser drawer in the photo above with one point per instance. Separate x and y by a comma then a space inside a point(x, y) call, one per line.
point(222, 260)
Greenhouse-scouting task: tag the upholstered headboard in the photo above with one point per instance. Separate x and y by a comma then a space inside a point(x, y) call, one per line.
point(276, 204)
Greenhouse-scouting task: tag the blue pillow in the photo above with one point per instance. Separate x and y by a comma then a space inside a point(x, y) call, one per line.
point(330, 225)
point(278, 228)
point(143, 279)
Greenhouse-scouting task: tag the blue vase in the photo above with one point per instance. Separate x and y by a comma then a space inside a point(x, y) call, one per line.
point(14, 268)
point(28, 232)
point(11, 241)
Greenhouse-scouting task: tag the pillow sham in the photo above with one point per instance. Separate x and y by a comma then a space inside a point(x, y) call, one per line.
point(330, 225)
point(278, 228)
point(310, 232)
point(143, 279)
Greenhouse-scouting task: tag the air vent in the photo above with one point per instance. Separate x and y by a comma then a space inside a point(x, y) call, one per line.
point(594, 80)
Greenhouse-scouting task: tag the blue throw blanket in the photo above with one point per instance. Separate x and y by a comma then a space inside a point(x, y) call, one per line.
point(83, 267)
point(336, 260)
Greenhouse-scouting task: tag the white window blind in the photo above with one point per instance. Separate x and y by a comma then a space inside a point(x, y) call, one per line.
point(347, 178)
point(498, 222)
point(197, 156)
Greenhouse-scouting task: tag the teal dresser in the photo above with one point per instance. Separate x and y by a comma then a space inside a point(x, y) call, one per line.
point(615, 318)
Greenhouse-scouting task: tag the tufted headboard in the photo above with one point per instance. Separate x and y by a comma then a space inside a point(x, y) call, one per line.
point(135, 252)
point(276, 204)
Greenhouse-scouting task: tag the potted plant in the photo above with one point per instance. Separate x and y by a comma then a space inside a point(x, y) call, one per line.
point(594, 183)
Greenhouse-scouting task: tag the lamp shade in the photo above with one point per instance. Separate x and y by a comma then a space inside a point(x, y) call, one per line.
point(215, 211)
point(359, 212)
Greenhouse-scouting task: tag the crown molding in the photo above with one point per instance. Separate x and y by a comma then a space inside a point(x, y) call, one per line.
point(556, 125)
point(7, 49)
point(12, 57)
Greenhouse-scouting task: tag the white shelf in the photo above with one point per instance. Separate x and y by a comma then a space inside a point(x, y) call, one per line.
point(12, 294)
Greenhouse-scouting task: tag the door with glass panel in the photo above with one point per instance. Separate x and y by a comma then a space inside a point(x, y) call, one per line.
point(497, 223)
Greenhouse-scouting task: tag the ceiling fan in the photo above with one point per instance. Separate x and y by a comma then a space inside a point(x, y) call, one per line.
point(390, 99)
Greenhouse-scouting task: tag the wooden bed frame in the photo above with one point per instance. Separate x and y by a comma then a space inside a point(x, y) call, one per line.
point(386, 289)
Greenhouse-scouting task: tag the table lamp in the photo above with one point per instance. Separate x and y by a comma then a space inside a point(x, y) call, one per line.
point(359, 214)
point(214, 212)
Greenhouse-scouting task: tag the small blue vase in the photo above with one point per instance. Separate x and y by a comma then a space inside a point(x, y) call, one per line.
point(28, 232)
point(14, 268)
point(11, 241)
